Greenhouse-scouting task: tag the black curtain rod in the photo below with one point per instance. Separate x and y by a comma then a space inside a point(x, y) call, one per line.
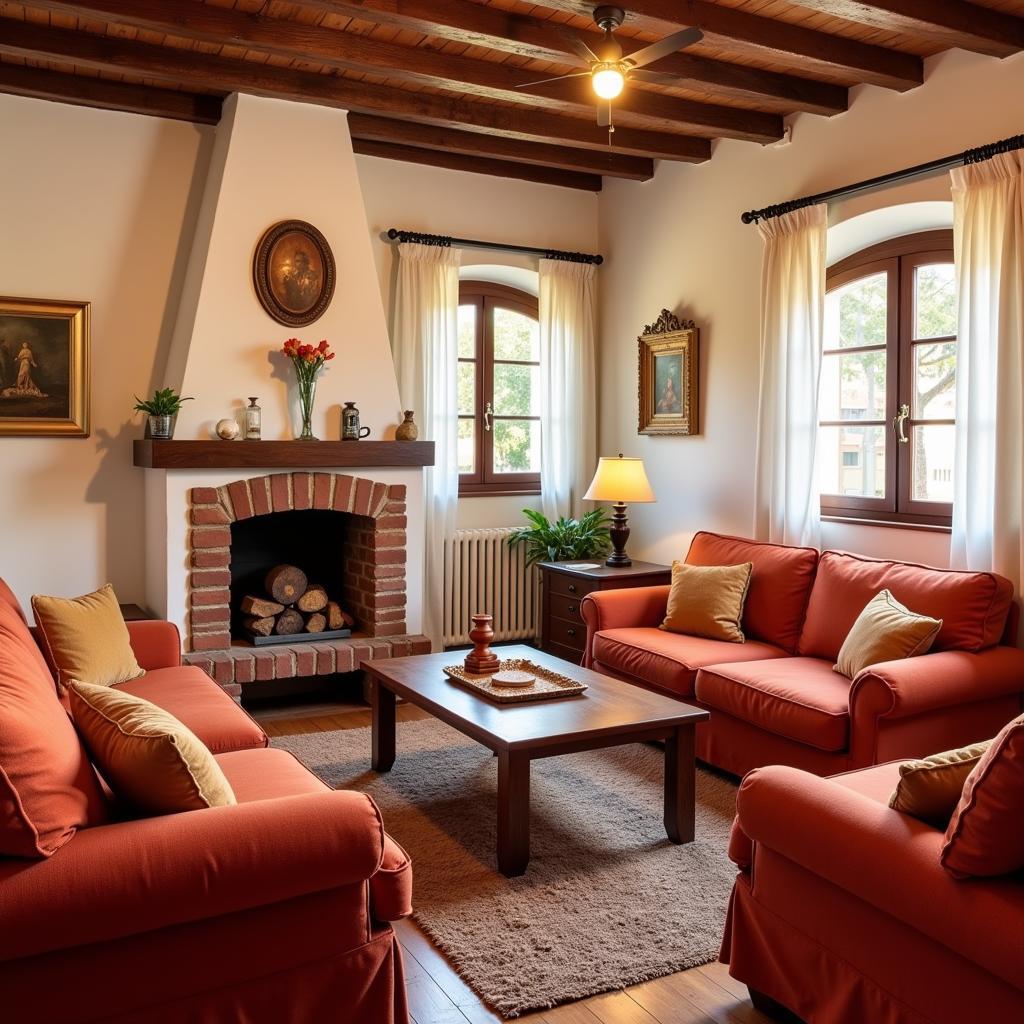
point(446, 242)
point(970, 156)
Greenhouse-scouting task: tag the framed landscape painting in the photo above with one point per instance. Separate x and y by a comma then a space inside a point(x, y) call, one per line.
point(44, 368)
point(668, 374)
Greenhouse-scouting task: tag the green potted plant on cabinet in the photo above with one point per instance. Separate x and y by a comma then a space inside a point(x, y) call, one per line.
point(565, 538)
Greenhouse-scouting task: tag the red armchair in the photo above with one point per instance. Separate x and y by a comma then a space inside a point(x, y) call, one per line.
point(774, 699)
point(274, 909)
point(842, 913)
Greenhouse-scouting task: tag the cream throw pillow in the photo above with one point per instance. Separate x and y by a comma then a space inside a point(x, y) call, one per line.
point(707, 600)
point(147, 756)
point(86, 638)
point(885, 631)
point(930, 788)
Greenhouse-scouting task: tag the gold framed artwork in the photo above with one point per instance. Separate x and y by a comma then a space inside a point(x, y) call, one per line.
point(44, 368)
point(293, 273)
point(669, 361)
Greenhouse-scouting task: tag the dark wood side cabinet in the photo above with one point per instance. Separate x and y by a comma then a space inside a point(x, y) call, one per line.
point(565, 584)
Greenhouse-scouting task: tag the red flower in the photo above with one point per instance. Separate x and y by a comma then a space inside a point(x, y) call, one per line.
point(323, 346)
point(330, 355)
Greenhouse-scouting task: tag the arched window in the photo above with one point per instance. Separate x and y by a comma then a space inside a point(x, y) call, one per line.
point(499, 390)
point(887, 402)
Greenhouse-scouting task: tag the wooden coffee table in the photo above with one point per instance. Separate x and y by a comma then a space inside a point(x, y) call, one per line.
point(609, 713)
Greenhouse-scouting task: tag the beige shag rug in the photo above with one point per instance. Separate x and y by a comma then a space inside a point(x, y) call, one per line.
point(607, 900)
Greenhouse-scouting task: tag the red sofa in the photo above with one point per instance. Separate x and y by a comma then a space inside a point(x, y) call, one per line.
point(271, 910)
point(842, 913)
point(775, 698)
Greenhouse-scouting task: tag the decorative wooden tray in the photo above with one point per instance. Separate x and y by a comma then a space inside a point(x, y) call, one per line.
point(547, 685)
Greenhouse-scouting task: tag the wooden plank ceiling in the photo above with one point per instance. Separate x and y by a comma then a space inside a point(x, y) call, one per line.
point(449, 82)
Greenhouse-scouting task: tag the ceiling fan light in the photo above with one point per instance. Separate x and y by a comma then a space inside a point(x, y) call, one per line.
point(608, 82)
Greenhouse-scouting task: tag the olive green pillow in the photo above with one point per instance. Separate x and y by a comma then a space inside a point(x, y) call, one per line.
point(885, 631)
point(86, 638)
point(148, 758)
point(930, 788)
point(707, 600)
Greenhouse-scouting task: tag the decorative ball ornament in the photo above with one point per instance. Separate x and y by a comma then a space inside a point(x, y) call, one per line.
point(228, 429)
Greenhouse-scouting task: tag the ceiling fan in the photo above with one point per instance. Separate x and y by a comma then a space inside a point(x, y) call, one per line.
point(609, 70)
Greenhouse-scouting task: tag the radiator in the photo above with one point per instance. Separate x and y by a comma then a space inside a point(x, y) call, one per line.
point(483, 574)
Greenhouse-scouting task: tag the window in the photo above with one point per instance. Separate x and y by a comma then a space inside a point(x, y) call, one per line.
point(888, 383)
point(499, 390)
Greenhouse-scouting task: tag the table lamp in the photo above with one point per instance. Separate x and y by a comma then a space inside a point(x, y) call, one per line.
point(620, 480)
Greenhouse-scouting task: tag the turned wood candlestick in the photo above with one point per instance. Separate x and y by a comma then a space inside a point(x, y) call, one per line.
point(481, 659)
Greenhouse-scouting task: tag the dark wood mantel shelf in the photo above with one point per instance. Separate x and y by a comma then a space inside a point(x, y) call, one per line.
point(281, 454)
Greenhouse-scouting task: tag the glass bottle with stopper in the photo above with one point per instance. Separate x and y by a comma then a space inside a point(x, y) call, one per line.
point(253, 421)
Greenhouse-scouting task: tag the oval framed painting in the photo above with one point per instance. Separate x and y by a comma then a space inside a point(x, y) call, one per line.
point(293, 272)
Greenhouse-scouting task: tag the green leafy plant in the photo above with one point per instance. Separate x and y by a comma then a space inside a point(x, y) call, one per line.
point(165, 402)
point(586, 537)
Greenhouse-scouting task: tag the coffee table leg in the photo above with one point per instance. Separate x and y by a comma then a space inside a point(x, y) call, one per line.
point(513, 813)
point(680, 785)
point(383, 728)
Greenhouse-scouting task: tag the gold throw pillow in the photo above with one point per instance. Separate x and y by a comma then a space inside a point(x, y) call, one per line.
point(86, 638)
point(707, 600)
point(885, 631)
point(930, 788)
point(147, 756)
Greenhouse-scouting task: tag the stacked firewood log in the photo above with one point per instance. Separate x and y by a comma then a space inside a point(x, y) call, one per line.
point(292, 605)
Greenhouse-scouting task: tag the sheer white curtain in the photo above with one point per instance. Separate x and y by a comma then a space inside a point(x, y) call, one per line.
point(988, 497)
point(568, 391)
point(425, 346)
point(786, 503)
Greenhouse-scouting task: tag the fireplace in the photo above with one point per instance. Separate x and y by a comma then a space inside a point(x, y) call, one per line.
point(347, 533)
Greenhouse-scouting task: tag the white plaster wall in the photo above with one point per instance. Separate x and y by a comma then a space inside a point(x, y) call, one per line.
point(96, 206)
point(677, 242)
point(443, 202)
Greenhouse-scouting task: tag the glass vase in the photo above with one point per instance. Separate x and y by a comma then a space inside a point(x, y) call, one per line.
point(307, 398)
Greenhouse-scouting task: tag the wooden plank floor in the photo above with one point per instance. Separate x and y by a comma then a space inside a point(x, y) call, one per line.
point(437, 995)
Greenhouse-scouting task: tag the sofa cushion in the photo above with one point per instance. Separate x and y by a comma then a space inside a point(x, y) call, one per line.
point(885, 631)
point(85, 638)
point(986, 834)
point(197, 701)
point(267, 775)
point(150, 760)
point(972, 605)
point(799, 698)
point(930, 787)
point(48, 788)
point(669, 661)
point(707, 600)
point(780, 583)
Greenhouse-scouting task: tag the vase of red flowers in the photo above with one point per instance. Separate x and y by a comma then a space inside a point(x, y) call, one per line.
point(308, 361)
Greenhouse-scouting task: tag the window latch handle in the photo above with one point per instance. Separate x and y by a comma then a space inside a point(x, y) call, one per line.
point(488, 413)
point(898, 421)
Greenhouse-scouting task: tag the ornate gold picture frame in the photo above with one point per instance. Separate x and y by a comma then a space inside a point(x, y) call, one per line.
point(44, 368)
point(669, 366)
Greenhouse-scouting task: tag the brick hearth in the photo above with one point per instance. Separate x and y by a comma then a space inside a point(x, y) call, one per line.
point(375, 588)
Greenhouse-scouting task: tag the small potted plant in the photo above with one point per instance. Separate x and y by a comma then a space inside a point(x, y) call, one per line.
point(586, 537)
point(162, 410)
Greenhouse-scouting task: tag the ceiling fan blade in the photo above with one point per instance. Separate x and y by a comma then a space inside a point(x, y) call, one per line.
point(653, 78)
point(670, 44)
point(604, 114)
point(557, 78)
point(577, 44)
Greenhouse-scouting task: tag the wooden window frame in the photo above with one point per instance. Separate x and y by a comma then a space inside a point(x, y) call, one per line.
point(486, 297)
point(898, 258)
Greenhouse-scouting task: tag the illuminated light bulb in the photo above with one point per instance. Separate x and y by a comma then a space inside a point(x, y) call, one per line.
point(608, 82)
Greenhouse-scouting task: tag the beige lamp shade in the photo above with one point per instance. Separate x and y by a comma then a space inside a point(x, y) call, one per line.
point(620, 479)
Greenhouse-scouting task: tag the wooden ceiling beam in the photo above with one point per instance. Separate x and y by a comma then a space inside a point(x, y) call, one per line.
point(780, 41)
point(478, 165)
point(212, 73)
point(369, 128)
point(47, 84)
point(952, 22)
point(421, 64)
point(539, 39)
